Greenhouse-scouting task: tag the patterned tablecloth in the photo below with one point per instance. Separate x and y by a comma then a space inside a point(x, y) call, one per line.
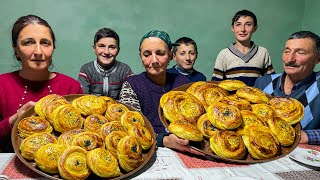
point(168, 164)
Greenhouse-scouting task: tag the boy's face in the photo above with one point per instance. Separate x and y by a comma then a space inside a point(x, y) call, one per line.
point(106, 50)
point(243, 28)
point(185, 56)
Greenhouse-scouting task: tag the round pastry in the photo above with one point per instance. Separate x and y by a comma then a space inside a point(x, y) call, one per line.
point(248, 117)
point(90, 104)
point(234, 100)
point(47, 157)
point(169, 96)
point(289, 109)
point(183, 106)
point(108, 100)
point(112, 140)
point(33, 124)
point(209, 93)
point(103, 163)
point(143, 135)
point(227, 144)
point(73, 163)
point(260, 141)
point(283, 131)
point(109, 127)
point(51, 106)
point(41, 105)
point(224, 116)
point(264, 111)
point(185, 130)
point(67, 117)
point(66, 138)
point(30, 145)
point(132, 118)
point(115, 111)
point(87, 140)
point(205, 126)
point(191, 89)
point(129, 153)
point(231, 84)
point(252, 94)
point(94, 122)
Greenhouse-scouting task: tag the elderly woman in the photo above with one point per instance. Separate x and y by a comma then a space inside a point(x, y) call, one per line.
point(33, 43)
point(143, 91)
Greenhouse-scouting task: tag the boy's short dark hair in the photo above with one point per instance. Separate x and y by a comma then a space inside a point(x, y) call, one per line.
point(245, 13)
point(105, 33)
point(186, 41)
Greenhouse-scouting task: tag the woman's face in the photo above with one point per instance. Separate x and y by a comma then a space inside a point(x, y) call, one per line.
point(155, 55)
point(106, 50)
point(35, 47)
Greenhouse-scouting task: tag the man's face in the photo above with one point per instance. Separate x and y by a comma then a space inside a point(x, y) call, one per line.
point(185, 56)
point(299, 57)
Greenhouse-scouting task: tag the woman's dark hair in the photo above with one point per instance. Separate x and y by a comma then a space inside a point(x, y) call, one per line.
point(245, 13)
point(24, 21)
point(105, 33)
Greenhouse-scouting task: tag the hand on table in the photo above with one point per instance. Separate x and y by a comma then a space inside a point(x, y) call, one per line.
point(304, 138)
point(174, 142)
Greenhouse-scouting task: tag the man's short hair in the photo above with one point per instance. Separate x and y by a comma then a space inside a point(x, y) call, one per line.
point(186, 41)
point(307, 34)
point(245, 13)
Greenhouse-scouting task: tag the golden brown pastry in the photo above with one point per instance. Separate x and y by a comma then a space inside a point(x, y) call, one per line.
point(253, 95)
point(289, 109)
point(205, 126)
point(224, 116)
point(103, 163)
point(132, 118)
point(108, 100)
point(115, 111)
point(66, 138)
point(73, 163)
point(227, 144)
point(30, 145)
point(231, 84)
point(192, 88)
point(90, 104)
point(249, 117)
point(51, 106)
point(43, 103)
point(87, 140)
point(67, 117)
point(129, 153)
point(109, 127)
point(283, 130)
point(112, 140)
point(260, 141)
point(47, 157)
point(143, 135)
point(185, 130)
point(264, 111)
point(33, 124)
point(94, 122)
point(234, 100)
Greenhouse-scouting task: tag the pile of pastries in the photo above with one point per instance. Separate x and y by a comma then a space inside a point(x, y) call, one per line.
point(236, 119)
point(90, 134)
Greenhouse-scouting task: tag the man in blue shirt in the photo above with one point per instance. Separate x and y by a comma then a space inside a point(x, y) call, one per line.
point(299, 81)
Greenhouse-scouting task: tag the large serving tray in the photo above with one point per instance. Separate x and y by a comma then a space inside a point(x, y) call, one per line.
point(16, 141)
point(204, 146)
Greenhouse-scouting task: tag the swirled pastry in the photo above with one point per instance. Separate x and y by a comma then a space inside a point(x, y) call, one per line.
point(234, 100)
point(227, 144)
point(289, 109)
point(94, 122)
point(260, 141)
point(112, 140)
point(129, 153)
point(67, 117)
point(30, 145)
point(183, 106)
point(249, 117)
point(47, 157)
point(103, 163)
point(43, 103)
point(192, 88)
point(185, 130)
point(143, 135)
point(231, 84)
point(131, 118)
point(109, 127)
point(205, 126)
point(90, 104)
point(224, 116)
point(108, 100)
point(51, 106)
point(66, 138)
point(88, 140)
point(33, 124)
point(264, 111)
point(283, 130)
point(73, 163)
point(253, 95)
point(115, 111)
point(169, 96)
